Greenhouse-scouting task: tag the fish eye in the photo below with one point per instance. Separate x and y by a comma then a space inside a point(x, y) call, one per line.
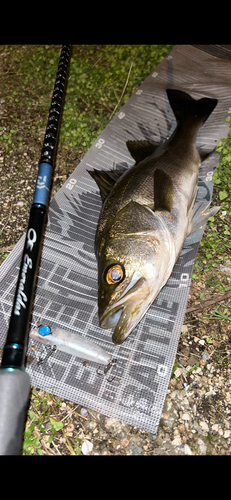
point(114, 274)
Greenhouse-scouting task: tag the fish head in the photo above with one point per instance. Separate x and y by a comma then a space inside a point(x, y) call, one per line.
point(134, 260)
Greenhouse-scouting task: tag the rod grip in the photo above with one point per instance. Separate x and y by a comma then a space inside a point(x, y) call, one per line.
point(14, 394)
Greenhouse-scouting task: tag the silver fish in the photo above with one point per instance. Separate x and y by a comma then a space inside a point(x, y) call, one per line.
point(148, 211)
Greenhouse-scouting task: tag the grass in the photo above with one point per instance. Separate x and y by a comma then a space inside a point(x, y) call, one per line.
point(3, 255)
point(36, 428)
point(215, 246)
point(43, 431)
point(97, 77)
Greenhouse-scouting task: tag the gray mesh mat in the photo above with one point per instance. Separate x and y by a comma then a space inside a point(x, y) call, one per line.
point(67, 285)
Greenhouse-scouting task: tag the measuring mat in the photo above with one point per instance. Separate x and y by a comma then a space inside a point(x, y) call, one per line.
point(134, 389)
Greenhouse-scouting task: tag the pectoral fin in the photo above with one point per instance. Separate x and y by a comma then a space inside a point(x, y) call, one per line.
point(200, 214)
point(163, 191)
point(192, 190)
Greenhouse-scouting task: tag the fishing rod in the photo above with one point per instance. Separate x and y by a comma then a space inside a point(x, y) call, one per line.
point(14, 381)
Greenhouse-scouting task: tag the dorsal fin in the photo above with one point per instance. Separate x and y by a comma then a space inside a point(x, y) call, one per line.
point(106, 179)
point(141, 149)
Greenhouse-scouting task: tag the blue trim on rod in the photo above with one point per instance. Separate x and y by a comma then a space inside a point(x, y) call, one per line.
point(42, 188)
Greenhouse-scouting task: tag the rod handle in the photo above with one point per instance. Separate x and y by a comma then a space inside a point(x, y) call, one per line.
point(14, 395)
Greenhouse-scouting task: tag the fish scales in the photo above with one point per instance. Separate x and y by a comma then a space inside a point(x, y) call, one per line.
point(148, 211)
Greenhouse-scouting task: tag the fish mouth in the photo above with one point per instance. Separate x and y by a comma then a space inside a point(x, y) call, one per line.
point(127, 312)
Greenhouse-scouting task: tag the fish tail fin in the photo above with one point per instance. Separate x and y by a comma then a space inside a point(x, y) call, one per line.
point(184, 105)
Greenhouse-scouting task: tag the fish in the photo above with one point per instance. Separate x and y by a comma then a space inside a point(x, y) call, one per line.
point(147, 212)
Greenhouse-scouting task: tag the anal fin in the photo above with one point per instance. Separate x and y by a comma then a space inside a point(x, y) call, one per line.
point(200, 214)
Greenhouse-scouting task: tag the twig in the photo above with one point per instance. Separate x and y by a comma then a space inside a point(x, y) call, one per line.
point(97, 61)
point(7, 249)
point(220, 413)
point(56, 447)
point(208, 303)
point(100, 423)
point(68, 444)
point(121, 97)
point(76, 413)
point(70, 414)
point(43, 444)
point(8, 218)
